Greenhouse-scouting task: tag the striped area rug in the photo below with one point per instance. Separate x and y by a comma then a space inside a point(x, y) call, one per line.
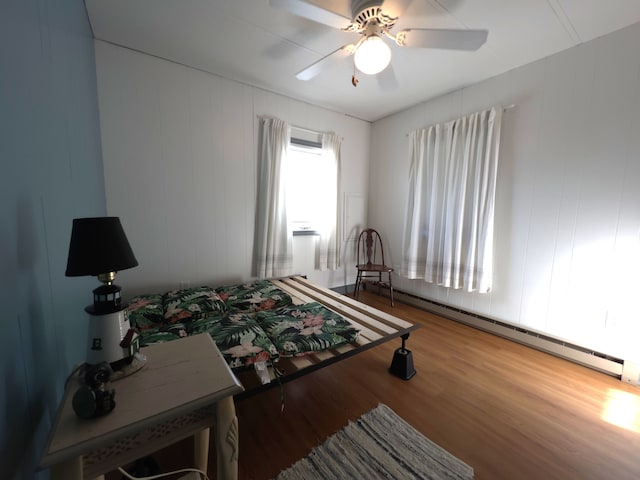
point(379, 444)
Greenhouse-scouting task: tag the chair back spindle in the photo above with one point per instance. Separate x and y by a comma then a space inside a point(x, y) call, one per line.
point(370, 262)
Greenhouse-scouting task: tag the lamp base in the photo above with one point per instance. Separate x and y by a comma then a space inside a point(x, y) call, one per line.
point(106, 333)
point(137, 362)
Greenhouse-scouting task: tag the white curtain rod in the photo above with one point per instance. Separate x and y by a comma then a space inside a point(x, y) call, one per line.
point(262, 117)
point(312, 131)
point(504, 109)
point(306, 130)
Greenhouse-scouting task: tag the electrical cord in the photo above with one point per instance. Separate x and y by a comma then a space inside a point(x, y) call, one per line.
point(73, 373)
point(163, 475)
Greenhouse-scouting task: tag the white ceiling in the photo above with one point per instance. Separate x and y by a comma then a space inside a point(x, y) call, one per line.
point(253, 43)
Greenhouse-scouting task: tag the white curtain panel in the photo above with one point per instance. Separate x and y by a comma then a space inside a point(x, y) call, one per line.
point(448, 234)
point(273, 255)
point(328, 242)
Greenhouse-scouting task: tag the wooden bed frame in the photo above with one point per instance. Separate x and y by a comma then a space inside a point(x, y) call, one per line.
point(375, 327)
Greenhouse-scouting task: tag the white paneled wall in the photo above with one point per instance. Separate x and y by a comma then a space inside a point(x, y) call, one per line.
point(568, 200)
point(180, 159)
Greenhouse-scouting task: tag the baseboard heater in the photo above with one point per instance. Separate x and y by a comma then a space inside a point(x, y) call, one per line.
point(598, 361)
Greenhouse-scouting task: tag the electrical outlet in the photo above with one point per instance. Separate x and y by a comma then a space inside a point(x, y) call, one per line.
point(185, 284)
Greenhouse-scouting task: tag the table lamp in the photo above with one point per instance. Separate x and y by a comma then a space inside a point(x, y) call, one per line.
point(99, 247)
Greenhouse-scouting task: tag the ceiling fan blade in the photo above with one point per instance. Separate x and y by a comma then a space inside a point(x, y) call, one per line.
point(442, 38)
point(312, 12)
point(315, 68)
point(387, 79)
point(395, 8)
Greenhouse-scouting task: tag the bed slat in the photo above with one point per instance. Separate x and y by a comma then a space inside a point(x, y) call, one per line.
point(344, 310)
point(374, 325)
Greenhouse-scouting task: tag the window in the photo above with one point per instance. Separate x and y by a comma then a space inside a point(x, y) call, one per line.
point(313, 200)
point(309, 172)
point(448, 232)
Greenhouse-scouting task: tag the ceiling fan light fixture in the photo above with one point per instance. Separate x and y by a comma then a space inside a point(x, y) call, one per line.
point(372, 56)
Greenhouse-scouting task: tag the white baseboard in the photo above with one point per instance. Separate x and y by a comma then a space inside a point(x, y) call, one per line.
point(631, 372)
point(560, 348)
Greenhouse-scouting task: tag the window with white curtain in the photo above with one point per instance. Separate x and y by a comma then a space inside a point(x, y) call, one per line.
point(448, 233)
point(298, 189)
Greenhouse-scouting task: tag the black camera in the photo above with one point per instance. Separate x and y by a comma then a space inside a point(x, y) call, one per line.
point(94, 399)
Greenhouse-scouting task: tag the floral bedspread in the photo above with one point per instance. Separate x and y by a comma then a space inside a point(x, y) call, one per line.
point(249, 322)
point(302, 329)
point(253, 297)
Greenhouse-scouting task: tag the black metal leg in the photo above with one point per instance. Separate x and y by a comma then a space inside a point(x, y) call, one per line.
point(402, 363)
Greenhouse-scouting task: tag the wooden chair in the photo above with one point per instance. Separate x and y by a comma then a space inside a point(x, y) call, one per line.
point(370, 262)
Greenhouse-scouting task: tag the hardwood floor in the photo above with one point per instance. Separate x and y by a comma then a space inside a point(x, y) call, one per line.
point(507, 410)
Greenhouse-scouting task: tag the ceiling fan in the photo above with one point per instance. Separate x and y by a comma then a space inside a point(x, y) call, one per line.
point(374, 21)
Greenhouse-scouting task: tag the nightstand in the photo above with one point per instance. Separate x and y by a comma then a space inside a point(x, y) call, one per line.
point(185, 388)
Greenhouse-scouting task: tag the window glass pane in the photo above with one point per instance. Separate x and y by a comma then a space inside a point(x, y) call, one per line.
point(308, 175)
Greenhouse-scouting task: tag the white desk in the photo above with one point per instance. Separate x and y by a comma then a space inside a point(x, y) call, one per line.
point(185, 388)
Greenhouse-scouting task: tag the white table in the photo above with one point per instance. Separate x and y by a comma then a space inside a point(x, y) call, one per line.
point(185, 388)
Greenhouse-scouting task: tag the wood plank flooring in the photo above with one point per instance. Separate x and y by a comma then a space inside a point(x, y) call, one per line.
point(507, 410)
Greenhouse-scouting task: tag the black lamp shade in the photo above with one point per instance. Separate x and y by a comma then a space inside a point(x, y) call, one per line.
point(98, 245)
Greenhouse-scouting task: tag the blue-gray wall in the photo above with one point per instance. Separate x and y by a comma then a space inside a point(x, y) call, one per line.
point(51, 172)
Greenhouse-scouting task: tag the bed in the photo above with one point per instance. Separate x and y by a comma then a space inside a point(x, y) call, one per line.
point(269, 331)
